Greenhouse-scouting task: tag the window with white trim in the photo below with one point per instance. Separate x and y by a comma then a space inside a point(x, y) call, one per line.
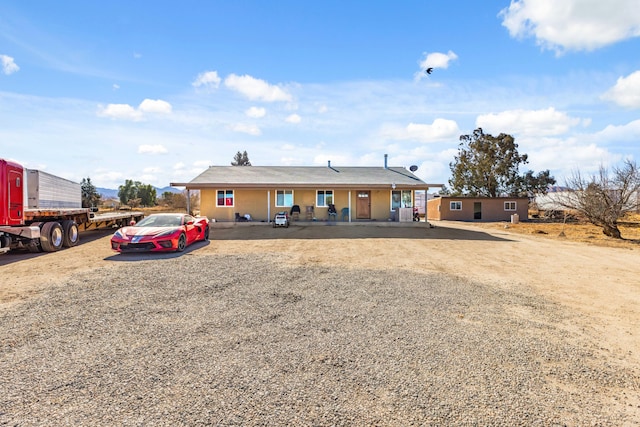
point(510, 206)
point(224, 198)
point(401, 199)
point(324, 198)
point(284, 198)
point(455, 206)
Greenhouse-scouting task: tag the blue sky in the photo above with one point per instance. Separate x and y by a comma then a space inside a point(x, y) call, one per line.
point(157, 91)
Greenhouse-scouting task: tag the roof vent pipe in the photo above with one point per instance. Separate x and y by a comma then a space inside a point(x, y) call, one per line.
point(385, 161)
point(328, 163)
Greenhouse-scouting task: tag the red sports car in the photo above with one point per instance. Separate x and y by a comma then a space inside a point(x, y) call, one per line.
point(161, 232)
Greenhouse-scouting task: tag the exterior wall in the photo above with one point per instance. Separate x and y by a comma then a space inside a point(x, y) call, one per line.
point(492, 209)
point(433, 209)
point(254, 203)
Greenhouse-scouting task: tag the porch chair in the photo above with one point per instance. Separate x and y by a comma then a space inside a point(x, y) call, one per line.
point(344, 214)
point(295, 212)
point(332, 211)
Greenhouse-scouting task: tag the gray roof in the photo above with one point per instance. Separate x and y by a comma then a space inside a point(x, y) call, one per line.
point(304, 176)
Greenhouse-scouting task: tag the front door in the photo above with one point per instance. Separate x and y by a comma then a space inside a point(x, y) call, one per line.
point(477, 210)
point(363, 205)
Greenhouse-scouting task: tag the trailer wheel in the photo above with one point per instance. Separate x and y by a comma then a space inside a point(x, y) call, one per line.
point(71, 235)
point(51, 236)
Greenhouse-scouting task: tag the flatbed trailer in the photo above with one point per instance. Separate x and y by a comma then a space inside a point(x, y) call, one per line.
point(43, 212)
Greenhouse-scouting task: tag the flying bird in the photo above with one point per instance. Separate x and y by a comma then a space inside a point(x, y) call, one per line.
point(429, 70)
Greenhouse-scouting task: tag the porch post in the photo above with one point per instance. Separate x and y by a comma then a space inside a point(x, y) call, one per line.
point(188, 202)
point(268, 206)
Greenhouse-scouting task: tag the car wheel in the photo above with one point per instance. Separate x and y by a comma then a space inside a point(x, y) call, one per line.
point(182, 243)
point(206, 233)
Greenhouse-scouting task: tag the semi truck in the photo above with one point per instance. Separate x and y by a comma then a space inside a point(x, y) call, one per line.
point(41, 212)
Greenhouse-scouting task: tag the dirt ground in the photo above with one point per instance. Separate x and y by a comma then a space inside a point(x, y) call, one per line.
point(600, 282)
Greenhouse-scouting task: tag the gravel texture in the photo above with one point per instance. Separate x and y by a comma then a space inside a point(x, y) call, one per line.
point(246, 340)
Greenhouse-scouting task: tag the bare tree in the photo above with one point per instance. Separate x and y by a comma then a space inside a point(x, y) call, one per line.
point(606, 197)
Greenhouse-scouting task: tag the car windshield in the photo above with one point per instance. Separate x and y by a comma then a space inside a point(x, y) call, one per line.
point(160, 221)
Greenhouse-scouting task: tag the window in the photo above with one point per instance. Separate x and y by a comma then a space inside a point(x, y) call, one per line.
point(455, 206)
point(401, 199)
point(225, 198)
point(284, 198)
point(509, 206)
point(324, 198)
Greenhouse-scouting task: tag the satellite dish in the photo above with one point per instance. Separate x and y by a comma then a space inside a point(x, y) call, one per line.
point(413, 168)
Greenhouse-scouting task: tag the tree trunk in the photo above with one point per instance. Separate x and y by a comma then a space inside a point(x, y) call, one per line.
point(611, 230)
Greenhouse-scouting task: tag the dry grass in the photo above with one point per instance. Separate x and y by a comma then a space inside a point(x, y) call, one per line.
point(578, 231)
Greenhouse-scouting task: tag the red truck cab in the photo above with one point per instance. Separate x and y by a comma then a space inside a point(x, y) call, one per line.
point(11, 193)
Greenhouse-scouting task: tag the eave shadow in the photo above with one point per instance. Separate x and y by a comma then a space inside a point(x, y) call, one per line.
point(327, 232)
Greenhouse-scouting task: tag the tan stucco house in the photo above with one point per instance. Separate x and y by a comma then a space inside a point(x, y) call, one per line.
point(358, 193)
point(477, 208)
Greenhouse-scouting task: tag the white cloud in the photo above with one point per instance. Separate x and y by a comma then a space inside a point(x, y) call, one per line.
point(120, 111)
point(127, 112)
point(572, 24)
point(179, 165)
point(116, 86)
point(437, 131)
point(155, 106)
point(435, 60)
point(626, 91)
point(246, 128)
point(152, 149)
point(8, 65)
point(293, 118)
point(256, 112)
point(622, 133)
point(209, 79)
point(537, 122)
point(256, 89)
point(438, 60)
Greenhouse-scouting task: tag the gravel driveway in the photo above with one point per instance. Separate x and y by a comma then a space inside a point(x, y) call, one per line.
point(218, 339)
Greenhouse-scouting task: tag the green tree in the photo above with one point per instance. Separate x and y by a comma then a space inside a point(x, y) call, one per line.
point(90, 196)
point(533, 184)
point(128, 191)
point(241, 159)
point(147, 194)
point(135, 192)
point(488, 165)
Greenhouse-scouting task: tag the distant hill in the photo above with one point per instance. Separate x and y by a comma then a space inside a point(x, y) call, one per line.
point(108, 193)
